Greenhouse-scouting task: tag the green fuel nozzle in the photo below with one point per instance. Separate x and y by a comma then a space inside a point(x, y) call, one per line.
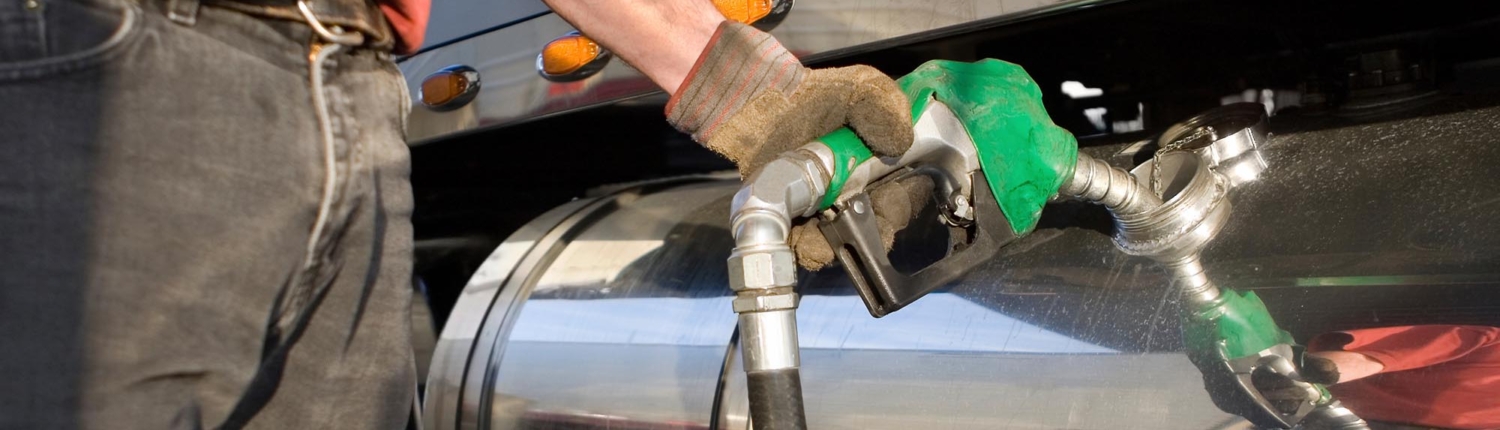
point(995, 158)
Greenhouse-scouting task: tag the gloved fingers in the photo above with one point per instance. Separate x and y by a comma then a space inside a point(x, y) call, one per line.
point(861, 97)
point(876, 109)
point(895, 204)
point(750, 99)
point(764, 129)
point(808, 244)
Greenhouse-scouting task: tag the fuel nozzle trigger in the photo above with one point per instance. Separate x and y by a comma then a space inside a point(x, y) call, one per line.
point(855, 238)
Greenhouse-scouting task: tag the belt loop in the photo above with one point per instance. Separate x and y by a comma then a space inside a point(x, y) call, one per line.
point(183, 12)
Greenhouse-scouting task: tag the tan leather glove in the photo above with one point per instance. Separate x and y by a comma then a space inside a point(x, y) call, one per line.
point(749, 99)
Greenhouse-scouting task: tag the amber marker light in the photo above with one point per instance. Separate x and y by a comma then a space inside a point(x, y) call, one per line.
point(569, 53)
point(744, 11)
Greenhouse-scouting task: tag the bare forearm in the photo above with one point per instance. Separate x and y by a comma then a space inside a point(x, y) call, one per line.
point(661, 38)
point(1351, 365)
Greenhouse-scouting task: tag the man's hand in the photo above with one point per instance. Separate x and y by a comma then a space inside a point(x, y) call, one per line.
point(750, 100)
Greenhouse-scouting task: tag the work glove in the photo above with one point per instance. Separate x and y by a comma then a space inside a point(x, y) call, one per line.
point(1283, 392)
point(750, 100)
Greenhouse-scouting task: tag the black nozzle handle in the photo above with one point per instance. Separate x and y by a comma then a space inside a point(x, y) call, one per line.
point(855, 238)
point(776, 399)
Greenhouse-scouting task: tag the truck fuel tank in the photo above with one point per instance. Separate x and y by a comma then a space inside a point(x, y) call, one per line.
point(614, 311)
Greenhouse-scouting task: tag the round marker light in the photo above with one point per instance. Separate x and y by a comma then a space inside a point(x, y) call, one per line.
point(571, 57)
point(744, 11)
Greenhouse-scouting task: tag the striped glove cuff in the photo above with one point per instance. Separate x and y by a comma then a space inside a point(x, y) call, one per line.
point(739, 64)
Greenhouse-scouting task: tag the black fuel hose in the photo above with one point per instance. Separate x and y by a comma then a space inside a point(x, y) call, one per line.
point(776, 399)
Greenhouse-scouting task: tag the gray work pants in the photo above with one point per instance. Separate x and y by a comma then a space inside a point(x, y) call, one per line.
point(204, 222)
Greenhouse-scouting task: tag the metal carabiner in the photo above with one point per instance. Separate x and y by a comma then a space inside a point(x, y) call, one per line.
point(333, 34)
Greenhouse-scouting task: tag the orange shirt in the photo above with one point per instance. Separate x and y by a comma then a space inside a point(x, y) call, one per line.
point(409, 19)
point(1435, 375)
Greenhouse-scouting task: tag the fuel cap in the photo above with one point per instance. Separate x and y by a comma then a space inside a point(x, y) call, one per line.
point(1228, 138)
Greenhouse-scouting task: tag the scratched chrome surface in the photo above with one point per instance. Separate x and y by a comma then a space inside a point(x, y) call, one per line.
point(626, 322)
point(513, 92)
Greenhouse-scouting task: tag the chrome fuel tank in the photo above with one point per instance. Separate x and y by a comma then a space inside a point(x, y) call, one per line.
point(614, 312)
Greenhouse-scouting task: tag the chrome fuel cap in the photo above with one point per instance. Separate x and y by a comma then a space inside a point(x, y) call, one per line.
point(1228, 137)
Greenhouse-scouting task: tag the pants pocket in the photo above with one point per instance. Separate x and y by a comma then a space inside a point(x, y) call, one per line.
point(45, 37)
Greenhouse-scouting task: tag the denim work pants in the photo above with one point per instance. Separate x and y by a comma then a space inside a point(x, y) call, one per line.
point(204, 222)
